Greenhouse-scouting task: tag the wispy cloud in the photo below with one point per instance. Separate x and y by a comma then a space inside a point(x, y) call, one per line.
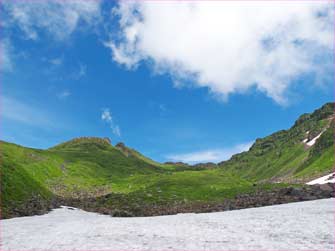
point(106, 116)
point(211, 155)
point(6, 61)
point(81, 72)
point(56, 61)
point(21, 112)
point(56, 17)
point(226, 46)
point(64, 94)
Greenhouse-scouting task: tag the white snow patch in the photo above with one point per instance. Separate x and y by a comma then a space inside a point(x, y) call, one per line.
point(295, 226)
point(312, 141)
point(330, 178)
point(305, 140)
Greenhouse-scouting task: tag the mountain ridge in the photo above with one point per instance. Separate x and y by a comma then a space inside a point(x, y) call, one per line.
point(279, 144)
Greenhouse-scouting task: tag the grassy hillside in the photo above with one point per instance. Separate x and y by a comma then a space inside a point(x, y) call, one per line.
point(24, 173)
point(91, 167)
point(86, 168)
point(286, 155)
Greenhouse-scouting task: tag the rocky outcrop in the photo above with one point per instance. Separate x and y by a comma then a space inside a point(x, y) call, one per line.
point(125, 150)
point(257, 199)
point(122, 209)
point(36, 205)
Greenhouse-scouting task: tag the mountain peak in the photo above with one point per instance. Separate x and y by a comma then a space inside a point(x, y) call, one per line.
point(325, 111)
point(83, 142)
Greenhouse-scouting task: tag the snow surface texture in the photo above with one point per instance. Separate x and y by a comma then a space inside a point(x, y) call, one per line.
point(294, 226)
point(312, 141)
point(330, 178)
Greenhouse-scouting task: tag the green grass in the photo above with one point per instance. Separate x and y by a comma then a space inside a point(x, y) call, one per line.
point(322, 165)
point(190, 185)
point(80, 173)
point(283, 155)
point(92, 167)
point(23, 175)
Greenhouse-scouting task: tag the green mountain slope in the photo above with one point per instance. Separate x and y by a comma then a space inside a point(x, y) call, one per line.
point(91, 167)
point(91, 171)
point(286, 155)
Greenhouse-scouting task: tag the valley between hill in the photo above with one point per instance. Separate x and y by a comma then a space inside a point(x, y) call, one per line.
point(92, 174)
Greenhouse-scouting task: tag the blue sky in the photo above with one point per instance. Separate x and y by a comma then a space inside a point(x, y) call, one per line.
point(177, 81)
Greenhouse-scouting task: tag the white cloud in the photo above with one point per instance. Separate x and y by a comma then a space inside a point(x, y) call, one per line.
point(212, 155)
point(57, 17)
point(106, 116)
point(226, 46)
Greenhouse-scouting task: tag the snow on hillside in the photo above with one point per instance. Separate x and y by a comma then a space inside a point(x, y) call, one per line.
point(312, 141)
point(330, 178)
point(294, 226)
